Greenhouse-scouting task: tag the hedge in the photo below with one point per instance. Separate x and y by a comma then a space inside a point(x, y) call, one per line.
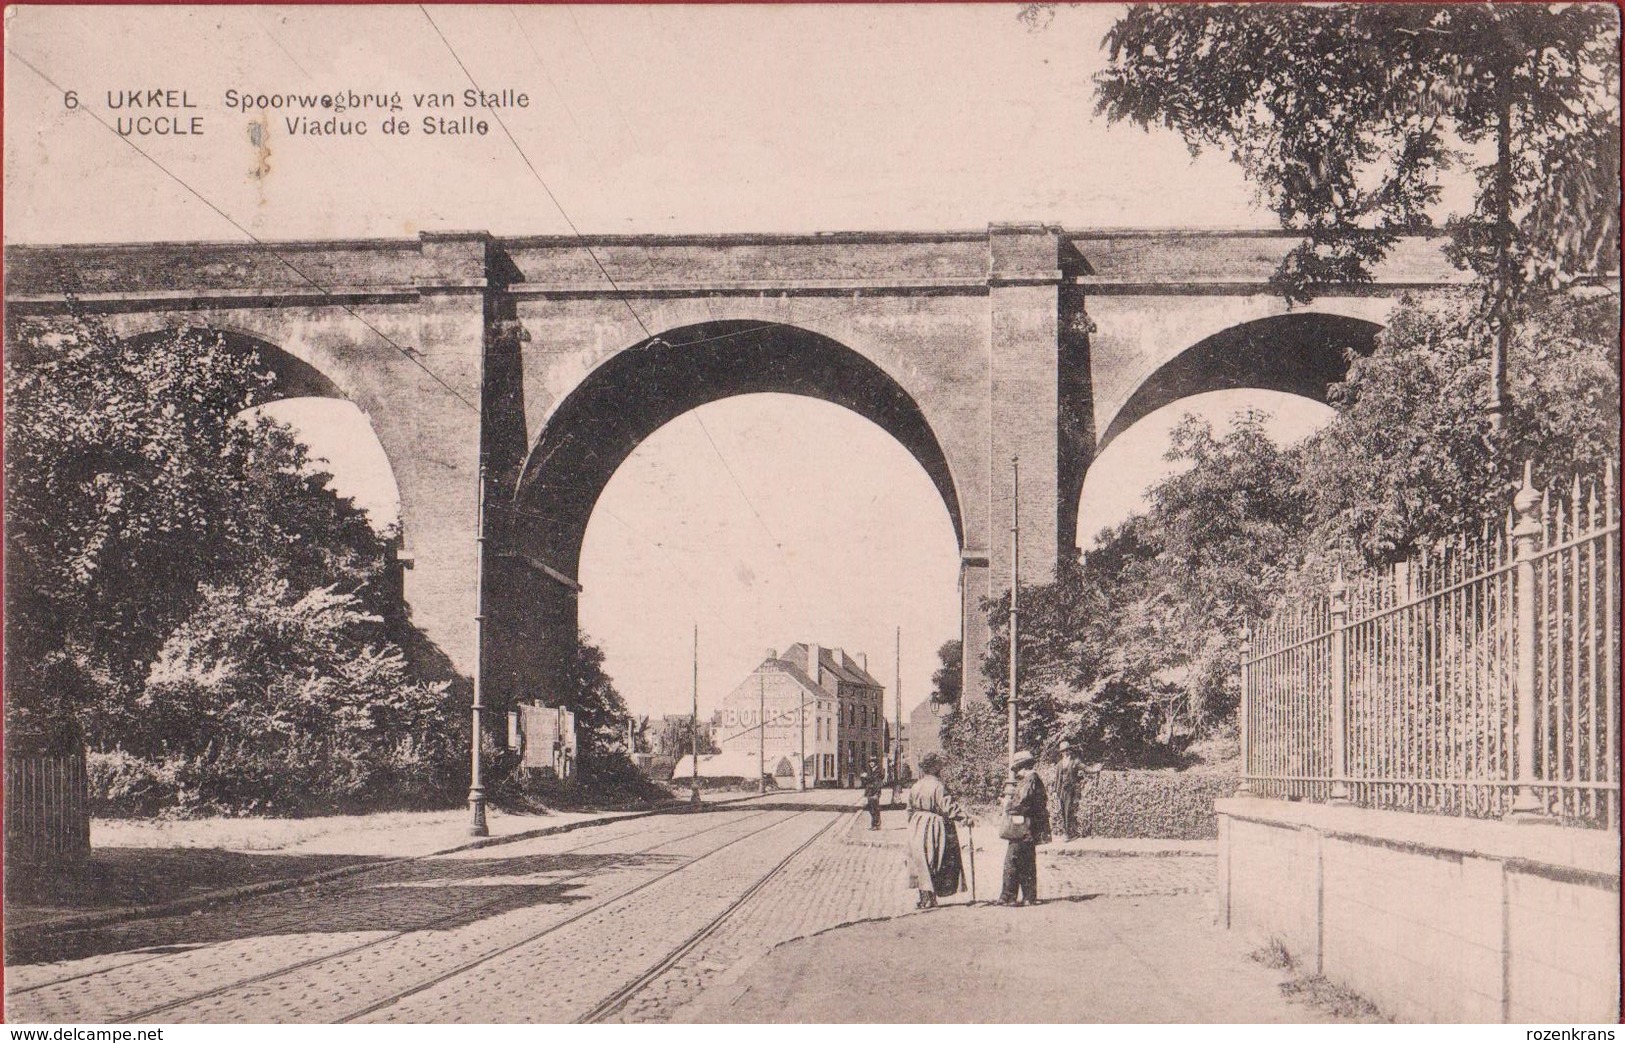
point(1173, 805)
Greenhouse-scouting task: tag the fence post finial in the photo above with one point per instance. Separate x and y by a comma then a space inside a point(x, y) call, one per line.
point(1245, 788)
point(1527, 496)
point(1526, 804)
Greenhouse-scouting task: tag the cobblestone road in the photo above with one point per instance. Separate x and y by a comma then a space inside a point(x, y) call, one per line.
point(628, 921)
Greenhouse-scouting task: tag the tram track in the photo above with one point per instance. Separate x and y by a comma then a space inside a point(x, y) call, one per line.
point(332, 983)
point(352, 881)
point(462, 914)
point(617, 1000)
point(642, 980)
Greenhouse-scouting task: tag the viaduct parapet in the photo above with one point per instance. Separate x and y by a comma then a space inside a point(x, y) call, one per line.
point(550, 359)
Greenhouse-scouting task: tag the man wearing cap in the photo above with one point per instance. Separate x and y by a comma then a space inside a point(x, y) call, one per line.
point(1067, 788)
point(1026, 826)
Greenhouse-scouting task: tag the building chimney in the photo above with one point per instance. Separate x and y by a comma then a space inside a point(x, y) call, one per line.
point(814, 664)
point(772, 653)
point(863, 661)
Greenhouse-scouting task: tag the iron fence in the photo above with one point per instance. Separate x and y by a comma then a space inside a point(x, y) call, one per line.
point(47, 808)
point(1480, 678)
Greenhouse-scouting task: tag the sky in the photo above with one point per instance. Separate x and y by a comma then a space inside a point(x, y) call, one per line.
point(644, 120)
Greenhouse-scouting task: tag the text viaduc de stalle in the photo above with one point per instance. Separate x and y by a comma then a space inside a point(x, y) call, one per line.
point(149, 112)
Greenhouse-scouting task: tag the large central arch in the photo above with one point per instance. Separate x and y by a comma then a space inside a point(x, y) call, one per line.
point(596, 427)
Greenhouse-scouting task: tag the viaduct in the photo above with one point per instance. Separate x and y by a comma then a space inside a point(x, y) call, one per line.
point(546, 361)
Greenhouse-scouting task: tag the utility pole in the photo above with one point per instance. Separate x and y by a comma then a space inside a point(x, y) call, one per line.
point(761, 728)
point(694, 727)
point(476, 775)
point(1015, 579)
point(801, 719)
point(897, 716)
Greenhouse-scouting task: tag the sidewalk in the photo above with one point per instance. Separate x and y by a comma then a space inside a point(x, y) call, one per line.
point(1095, 959)
point(154, 868)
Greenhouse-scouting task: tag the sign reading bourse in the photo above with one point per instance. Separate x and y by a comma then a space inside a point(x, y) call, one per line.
point(783, 719)
point(545, 737)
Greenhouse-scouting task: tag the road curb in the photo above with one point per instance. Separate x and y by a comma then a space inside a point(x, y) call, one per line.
point(36, 932)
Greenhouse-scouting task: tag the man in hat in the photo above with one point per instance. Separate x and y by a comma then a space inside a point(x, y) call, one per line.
point(1068, 786)
point(874, 780)
point(1026, 826)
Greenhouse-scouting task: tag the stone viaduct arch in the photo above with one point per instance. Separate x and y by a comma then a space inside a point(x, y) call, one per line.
point(295, 378)
point(1301, 354)
point(517, 358)
point(625, 400)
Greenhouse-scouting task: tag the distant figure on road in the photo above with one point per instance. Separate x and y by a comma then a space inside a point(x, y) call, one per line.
point(1068, 786)
point(1026, 826)
point(933, 842)
point(874, 780)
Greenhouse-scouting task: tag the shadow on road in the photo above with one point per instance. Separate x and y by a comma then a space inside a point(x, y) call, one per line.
point(437, 894)
point(120, 877)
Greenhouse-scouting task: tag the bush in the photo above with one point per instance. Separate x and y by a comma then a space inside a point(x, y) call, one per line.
point(303, 776)
point(268, 700)
point(974, 752)
point(122, 785)
point(1173, 805)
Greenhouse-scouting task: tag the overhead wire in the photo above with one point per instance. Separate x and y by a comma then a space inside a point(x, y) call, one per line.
point(620, 294)
point(608, 90)
point(410, 354)
point(554, 199)
point(563, 103)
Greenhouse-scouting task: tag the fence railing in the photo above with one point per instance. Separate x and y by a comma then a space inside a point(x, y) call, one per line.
point(47, 808)
point(1479, 679)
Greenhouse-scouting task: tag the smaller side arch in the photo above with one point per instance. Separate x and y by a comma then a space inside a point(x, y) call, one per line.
point(1301, 354)
point(295, 378)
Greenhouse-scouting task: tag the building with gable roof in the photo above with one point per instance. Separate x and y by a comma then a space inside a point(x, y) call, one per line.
point(815, 701)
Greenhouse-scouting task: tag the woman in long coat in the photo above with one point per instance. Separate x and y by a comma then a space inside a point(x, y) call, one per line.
point(933, 842)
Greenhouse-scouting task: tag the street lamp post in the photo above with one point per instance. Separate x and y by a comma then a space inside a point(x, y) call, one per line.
point(761, 729)
point(694, 728)
point(476, 776)
point(897, 718)
point(1015, 579)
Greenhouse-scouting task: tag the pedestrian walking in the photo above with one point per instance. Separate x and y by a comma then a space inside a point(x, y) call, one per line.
point(934, 866)
point(874, 780)
point(1026, 825)
point(1068, 787)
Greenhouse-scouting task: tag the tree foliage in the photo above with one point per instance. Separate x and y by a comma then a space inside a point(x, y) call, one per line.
point(948, 681)
point(677, 738)
point(183, 587)
point(1132, 652)
point(270, 699)
point(973, 746)
point(600, 711)
point(1346, 115)
point(1407, 461)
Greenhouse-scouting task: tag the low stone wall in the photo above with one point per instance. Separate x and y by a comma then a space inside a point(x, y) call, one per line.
point(1431, 918)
